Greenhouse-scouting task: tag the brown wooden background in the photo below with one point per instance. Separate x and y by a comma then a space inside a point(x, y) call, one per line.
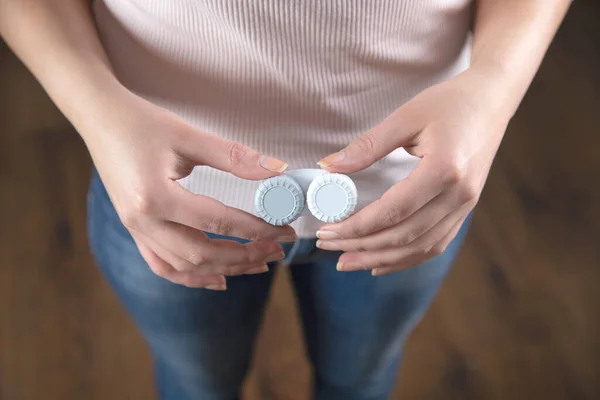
point(518, 318)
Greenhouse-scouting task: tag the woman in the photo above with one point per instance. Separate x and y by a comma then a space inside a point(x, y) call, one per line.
point(185, 104)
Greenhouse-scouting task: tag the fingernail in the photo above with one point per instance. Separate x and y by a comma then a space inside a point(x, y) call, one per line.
point(327, 245)
point(332, 159)
point(272, 164)
point(217, 287)
point(257, 270)
point(376, 272)
point(275, 257)
point(348, 266)
point(287, 238)
point(328, 235)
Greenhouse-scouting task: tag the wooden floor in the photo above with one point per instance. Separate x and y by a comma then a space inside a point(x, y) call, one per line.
point(518, 318)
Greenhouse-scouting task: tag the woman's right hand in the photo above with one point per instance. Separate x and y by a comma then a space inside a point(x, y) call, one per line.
point(140, 151)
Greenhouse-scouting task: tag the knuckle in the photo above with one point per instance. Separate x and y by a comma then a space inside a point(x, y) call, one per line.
point(221, 226)
point(452, 176)
point(219, 223)
point(237, 154)
point(251, 234)
point(354, 229)
point(255, 234)
point(251, 255)
point(195, 258)
point(351, 228)
point(129, 218)
point(452, 173)
point(367, 144)
point(179, 266)
point(422, 250)
point(143, 202)
point(358, 231)
point(417, 232)
point(395, 212)
point(398, 240)
point(359, 246)
point(441, 248)
point(437, 249)
point(469, 192)
point(410, 237)
point(392, 216)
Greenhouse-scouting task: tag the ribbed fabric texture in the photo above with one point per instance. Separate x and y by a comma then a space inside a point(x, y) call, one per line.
point(294, 79)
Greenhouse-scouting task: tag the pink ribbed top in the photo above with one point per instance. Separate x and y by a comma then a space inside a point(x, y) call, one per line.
point(294, 79)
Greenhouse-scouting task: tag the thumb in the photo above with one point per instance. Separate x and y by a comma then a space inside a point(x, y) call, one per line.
point(229, 156)
point(371, 146)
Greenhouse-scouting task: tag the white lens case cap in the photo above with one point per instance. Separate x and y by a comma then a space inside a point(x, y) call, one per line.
point(330, 197)
point(279, 200)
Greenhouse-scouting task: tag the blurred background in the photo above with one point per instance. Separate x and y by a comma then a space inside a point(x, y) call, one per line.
point(518, 317)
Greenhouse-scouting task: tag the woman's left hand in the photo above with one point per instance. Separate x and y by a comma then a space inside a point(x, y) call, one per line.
point(455, 127)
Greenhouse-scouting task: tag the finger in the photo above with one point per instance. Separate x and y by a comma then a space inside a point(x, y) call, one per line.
point(210, 215)
point(398, 130)
point(406, 231)
point(399, 235)
point(182, 265)
point(398, 203)
point(205, 149)
point(443, 245)
point(425, 247)
point(189, 279)
point(195, 250)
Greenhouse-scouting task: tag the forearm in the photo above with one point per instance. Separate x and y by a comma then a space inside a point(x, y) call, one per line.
point(510, 40)
point(58, 42)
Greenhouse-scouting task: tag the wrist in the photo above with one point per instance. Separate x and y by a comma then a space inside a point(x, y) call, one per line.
point(499, 87)
point(88, 99)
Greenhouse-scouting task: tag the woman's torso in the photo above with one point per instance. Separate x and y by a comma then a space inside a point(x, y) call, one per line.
point(293, 79)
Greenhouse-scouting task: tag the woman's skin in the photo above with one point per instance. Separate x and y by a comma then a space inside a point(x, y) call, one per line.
point(140, 150)
point(455, 127)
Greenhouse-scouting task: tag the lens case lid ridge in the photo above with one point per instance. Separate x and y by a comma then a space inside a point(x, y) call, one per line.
point(279, 200)
point(329, 197)
point(332, 197)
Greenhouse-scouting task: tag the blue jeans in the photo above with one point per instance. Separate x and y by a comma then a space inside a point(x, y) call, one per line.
point(201, 340)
